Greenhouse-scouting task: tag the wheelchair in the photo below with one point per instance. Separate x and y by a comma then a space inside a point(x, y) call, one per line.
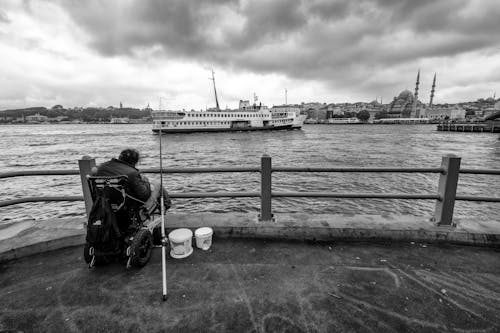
point(135, 230)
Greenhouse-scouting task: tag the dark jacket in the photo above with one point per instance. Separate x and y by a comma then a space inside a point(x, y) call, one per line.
point(139, 187)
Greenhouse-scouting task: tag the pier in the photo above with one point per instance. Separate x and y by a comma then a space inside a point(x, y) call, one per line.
point(252, 285)
point(490, 124)
point(488, 127)
point(265, 272)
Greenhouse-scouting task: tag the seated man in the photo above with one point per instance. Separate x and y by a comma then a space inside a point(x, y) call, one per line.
point(140, 187)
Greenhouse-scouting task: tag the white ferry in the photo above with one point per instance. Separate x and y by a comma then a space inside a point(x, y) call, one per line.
point(341, 121)
point(255, 118)
point(247, 117)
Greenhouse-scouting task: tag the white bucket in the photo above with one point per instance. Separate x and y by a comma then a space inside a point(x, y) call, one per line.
point(203, 238)
point(180, 243)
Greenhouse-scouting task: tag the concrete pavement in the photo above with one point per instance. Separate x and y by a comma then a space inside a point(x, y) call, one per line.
point(243, 285)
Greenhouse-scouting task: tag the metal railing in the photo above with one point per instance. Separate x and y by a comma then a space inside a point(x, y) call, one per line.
point(445, 196)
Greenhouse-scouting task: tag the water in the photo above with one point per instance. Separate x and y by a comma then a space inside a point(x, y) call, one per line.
point(33, 147)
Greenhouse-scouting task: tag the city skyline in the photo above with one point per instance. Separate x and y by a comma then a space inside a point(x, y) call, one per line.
point(100, 53)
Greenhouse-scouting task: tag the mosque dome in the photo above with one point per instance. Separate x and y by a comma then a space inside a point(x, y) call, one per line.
point(405, 95)
point(402, 105)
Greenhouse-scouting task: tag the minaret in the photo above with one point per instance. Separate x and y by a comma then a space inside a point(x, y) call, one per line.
point(432, 90)
point(417, 114)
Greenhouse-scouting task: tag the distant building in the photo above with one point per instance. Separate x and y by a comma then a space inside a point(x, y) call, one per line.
point(120, 120)
point(287, 108)
point(57, 119)
point(312, 105)
point(442, 112)
point(244, 104)
point(373, 108)
point(36, 118)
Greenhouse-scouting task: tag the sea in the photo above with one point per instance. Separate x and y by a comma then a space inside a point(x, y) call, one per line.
point(60, 146)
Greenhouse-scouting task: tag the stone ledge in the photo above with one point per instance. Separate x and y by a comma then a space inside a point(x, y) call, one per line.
point(31, 237)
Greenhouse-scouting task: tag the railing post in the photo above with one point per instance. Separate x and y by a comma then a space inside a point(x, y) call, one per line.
point(86, 164)
point(265, 188)
point(447, 190)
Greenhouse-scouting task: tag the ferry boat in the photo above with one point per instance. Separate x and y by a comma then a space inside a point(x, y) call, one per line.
point(341, 121)
point(247, 117)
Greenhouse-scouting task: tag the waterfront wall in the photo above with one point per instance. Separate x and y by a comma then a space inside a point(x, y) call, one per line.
point(42, 236)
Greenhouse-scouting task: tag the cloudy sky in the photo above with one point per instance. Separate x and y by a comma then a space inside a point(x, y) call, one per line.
point(103, 52)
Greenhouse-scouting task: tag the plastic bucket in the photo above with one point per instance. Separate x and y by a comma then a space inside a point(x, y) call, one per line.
point(180, 243)
point(203, 238)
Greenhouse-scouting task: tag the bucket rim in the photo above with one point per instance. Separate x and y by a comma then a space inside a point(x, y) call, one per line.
point(180, 235)
point(203, 232)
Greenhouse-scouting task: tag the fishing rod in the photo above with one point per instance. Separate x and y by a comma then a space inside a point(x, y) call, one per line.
point(163, 236)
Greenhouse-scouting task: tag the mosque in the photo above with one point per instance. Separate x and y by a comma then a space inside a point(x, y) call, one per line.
point(407, 105)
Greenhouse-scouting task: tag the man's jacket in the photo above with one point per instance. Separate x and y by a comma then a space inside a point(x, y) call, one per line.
point(139, 187)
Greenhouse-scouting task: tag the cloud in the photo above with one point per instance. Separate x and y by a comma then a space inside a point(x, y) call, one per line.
point(345, 49)
point(362, 31)
point(3, 17)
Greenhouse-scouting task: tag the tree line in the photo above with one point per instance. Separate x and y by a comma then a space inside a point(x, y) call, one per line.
point(84, 114)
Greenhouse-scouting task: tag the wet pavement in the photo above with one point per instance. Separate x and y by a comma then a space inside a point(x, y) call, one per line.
point(260, 286)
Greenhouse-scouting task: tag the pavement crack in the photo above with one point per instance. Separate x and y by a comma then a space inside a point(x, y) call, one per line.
point(245, 298)
point(395, 277)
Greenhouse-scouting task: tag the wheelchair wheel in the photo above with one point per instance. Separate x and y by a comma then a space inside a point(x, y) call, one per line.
point(86, 253)
point(141, 248)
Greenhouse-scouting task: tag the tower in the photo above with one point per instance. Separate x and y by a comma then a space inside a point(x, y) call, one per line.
point(417, 114)
point(432, 90)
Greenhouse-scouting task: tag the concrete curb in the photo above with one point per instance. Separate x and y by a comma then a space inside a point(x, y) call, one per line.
point(44, 236)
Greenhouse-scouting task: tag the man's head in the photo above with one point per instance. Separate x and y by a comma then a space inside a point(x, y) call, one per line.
point(130, 156)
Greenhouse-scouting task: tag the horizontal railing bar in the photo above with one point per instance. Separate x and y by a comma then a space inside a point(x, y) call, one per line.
point(255, 169)
point(188, 195)
point(349, 169)
point(355, 195)
point(171, 195)
point(39, 199)
point(215, 195)
point(481, 171)
point(471, 198)
point(38, 173)
point(201, 170)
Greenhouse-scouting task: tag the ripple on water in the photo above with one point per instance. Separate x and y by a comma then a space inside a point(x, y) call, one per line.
point(60, 147)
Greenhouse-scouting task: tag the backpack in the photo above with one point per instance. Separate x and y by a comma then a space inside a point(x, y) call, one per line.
point(103, 234)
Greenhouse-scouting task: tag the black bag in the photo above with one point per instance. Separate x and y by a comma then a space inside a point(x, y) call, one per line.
point(103, 234)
